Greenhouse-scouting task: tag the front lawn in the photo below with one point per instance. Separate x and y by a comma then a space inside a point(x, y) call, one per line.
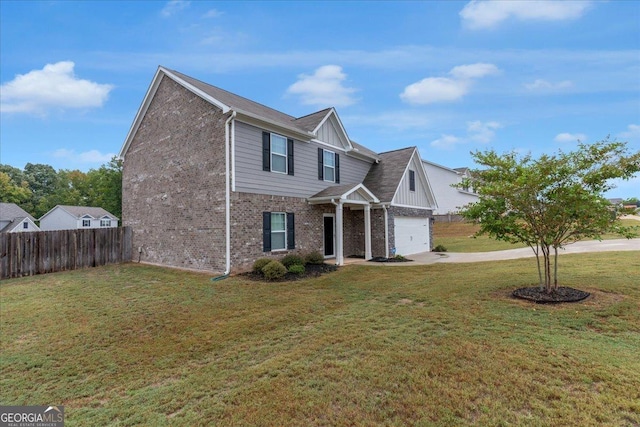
point(458, 237)
point(435, 345)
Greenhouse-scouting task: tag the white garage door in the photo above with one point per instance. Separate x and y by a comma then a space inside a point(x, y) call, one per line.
point(412, 235)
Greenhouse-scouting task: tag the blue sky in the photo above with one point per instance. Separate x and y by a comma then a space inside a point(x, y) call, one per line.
point(448, 77)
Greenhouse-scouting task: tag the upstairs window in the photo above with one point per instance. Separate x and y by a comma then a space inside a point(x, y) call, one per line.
point(412, 180)
point(86, 223)
point(328, 166)
point(25, 225)
point(277, 153)
point(105, 223)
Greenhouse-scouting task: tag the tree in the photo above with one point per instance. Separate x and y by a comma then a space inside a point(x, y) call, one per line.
point(105, 187)
point(551, 201)
point(10, 192)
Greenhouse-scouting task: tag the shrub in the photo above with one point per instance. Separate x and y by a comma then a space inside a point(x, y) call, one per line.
point(400, 257)
point(260, 263)
point(440, 248)
point(314, 258)
point(274, 270)
point(290, 260)
point(296, 269)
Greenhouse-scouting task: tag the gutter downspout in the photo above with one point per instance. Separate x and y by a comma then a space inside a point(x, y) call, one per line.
point(386, 231)
point(227, 207)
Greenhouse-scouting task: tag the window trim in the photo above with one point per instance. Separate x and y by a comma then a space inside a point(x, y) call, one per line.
point(25, 225)
point(285, 155)
point(412, 180)
point(325, 166)
point(87, 222)
point(105, 222)
point(283, 231)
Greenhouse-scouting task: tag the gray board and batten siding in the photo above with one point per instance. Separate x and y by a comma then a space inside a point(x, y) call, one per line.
point(250, 178)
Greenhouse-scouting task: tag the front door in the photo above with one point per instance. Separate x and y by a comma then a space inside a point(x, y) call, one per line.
point(329, 236)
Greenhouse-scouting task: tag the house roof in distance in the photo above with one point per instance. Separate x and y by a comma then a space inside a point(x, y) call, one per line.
point(11, 211)
point(80, 211)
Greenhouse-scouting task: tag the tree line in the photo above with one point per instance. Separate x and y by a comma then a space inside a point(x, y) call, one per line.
point(38, 187)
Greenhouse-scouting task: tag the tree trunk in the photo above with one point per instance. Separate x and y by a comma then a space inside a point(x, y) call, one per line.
point(555, 268)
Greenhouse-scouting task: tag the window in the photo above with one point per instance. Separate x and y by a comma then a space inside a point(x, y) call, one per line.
point(412, 180)
point(105, 223)
point(278, 231)
point(277, 153)
point(25, 225)
point(328, 166)
point(86, 223)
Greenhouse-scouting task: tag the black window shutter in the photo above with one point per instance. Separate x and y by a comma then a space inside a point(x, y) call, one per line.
point(290, 156)
point(320, 164)
point(412, 180)
point(266, 151)
point(337, 168)
point(291, 231)
point(266, 231)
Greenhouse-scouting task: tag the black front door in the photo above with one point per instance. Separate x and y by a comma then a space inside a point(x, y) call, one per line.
point(329, 241)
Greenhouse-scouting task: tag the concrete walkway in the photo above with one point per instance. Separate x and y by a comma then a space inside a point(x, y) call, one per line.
point(453, 257)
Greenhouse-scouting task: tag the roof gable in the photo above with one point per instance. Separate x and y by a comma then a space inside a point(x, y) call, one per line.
point(10, 211)
point(384, 178)
point(82, 212)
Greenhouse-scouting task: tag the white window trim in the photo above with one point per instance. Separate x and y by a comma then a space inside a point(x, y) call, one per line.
point(272, 153)
point(105, 223)
point(324, 165)
point(87, 220)
point(284, 214)
point(414, 180)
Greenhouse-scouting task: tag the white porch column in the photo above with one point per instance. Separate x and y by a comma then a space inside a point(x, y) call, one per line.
point(386, 231)
point(339, 235)
point(367, 232)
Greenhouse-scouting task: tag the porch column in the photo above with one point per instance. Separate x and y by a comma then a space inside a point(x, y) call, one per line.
point(339, 235)
point(367, 232)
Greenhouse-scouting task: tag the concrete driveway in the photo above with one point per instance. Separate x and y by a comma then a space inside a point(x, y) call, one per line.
point(575, 248)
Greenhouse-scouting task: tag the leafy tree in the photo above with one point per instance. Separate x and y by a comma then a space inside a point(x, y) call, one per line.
point(105, 187)
point(10, 192)
point(551, 201)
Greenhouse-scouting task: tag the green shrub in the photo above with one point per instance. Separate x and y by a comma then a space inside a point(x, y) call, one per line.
point(440, 248)
point(400, 257)
point(260, 263)
point(274, 270)
point(314, 258)
point(296, 269)
point(291, 259)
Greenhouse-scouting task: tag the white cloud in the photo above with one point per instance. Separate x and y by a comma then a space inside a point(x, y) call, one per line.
point(446, 142)
point(434, 89)
point(632, 132)
point(91, 156)
point(473, 71)
point(213, 13)
point(324, 87)
point(477, 131)
point(544, 85)
point(174, 6)
point(55, 86)
point(489, 13)
point(482, 132)
point(445, 89)
point(570, 137)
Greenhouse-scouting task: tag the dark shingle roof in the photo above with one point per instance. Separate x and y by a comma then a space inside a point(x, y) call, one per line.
point(14, 222)
point(311, 121)
point(384, 177)
point(334, 191)
point(11, 211)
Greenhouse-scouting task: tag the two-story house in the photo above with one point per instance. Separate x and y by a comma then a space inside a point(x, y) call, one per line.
point(213, 181)
point(444, 184)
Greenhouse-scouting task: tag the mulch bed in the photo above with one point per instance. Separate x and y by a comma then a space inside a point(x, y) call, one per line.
point(562, 294)
point(383, 259)
point(310, 270)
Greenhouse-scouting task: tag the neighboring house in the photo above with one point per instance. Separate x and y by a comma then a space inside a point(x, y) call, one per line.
point(77, 217)
point(450, 199)
point(14, 219)
point(213, 181)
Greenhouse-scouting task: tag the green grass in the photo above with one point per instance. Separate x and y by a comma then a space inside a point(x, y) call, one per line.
point(458, 237)
point(435, 345)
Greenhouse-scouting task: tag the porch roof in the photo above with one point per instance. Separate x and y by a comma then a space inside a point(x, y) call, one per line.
point(347, 193)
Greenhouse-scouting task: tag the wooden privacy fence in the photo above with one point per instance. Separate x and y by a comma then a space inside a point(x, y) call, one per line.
point(26, 254)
